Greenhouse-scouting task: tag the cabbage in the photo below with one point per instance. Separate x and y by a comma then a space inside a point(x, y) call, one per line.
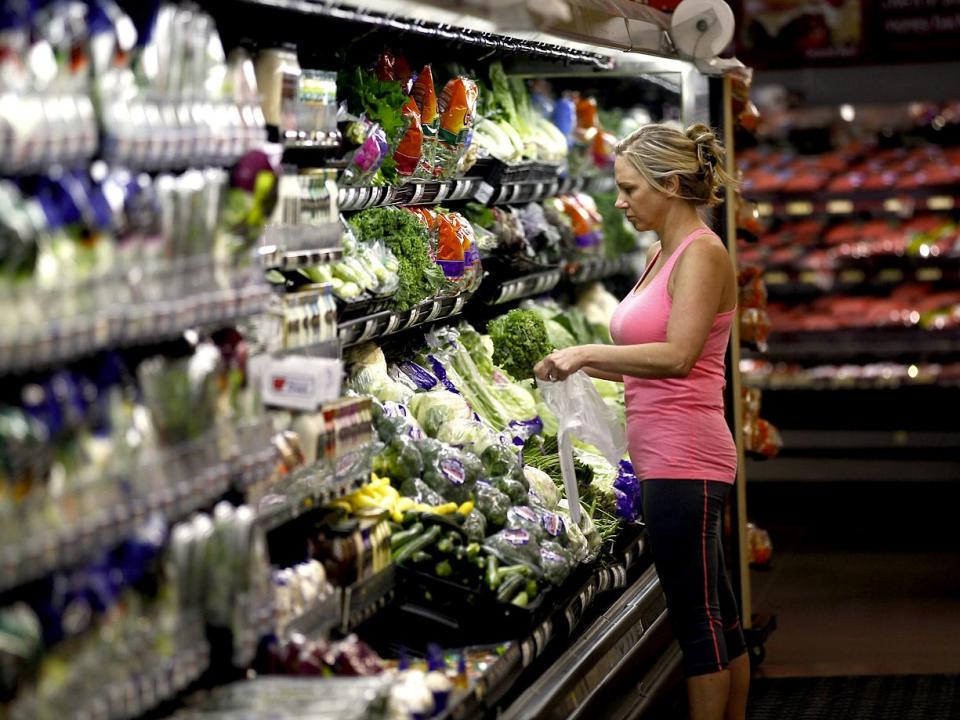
point(469, 435)
point(433, 409)
point(558, 335)
point(542, 486)
point(519, 403)
point(369, 375)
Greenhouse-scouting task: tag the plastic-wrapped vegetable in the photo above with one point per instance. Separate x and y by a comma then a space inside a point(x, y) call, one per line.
point(556, 562)
point(542, 487)
point(468, 434)
point(399, 459)
point(514, 489)
point(447, 473)
point(421, 492)
point(369, 375)
point(458, 106)
point(475, 525)
point(409, 150)
point(425, 95)
point(576, 541)
point(500, 460)
point(514, 545)
point(628, 494)
point(526, 518)
point(395, 419)
point(367, 158)
point(492, 503)
point(433, 409)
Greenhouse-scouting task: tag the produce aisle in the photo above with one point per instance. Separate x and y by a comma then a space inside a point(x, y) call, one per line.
point(276, 275)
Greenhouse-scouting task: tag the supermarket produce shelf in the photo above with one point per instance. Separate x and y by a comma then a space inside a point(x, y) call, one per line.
point(848, 344)
point(523, 287)
point(583, 271)
point(312, 487)
point(501, 678)
point(889, 202)
point(366, 597)
point(120, 324)
point(434, 192)
point(320, 618)
point(202, 479)
point(139, 693)
point(880, 271)
point(800, 382)
point(574, 684)
point(423, 21)
point(384, 323)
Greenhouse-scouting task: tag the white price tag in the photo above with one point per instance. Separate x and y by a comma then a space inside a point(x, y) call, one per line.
point(298, 383)
point(484, 192)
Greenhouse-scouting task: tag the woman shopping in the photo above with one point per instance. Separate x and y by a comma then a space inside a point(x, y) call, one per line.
point(670, 336)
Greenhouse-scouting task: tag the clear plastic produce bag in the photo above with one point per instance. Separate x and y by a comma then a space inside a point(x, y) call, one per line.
point(581, 411)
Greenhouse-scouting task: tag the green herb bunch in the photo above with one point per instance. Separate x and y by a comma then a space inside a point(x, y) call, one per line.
point(407, 237)
point(519, 342)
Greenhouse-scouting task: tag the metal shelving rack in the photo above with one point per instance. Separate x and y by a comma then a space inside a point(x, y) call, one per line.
point(618, 636)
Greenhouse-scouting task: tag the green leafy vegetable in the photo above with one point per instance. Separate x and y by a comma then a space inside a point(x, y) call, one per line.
point(407, 237)
point(619, 237)
point(381, 100)
point(519, 342)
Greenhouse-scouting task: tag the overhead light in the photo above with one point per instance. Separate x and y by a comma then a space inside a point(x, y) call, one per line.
point(847, 112)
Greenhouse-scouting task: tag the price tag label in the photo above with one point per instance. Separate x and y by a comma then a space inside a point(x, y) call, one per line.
point(298, 382)
point(458, 305)
point(538, 192)
point(484, 192)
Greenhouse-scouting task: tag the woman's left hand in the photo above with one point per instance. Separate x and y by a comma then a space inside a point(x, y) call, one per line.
point(561, 363)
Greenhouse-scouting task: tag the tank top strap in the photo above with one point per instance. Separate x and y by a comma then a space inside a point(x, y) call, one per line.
point(672, 260)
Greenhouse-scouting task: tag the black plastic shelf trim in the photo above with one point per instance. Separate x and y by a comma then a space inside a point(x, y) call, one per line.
point(604, 635)
point(501, 43)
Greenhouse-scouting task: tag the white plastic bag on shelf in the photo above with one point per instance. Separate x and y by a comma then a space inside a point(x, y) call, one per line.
point(581, 411)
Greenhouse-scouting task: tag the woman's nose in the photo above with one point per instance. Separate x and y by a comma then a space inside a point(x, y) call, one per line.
point(620, 204)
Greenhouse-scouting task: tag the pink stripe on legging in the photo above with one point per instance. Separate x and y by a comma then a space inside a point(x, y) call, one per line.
point(706, 591)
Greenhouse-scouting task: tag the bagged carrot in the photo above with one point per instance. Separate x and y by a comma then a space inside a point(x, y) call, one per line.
point(472, 271)
point(458, 106)
point(424, 94)
point(410, 148)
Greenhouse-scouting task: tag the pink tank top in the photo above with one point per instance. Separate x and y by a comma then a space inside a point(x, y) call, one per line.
point(676, 427)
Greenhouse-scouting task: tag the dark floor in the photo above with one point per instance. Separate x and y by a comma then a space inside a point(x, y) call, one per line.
point(910, 697)
point(865, 586)
point(869, 584)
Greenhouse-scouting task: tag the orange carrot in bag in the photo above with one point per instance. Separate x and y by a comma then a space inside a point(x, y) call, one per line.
point(458, 104)
point(410, 147)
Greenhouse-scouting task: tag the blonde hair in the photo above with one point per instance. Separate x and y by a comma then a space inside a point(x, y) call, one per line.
point(695, 156)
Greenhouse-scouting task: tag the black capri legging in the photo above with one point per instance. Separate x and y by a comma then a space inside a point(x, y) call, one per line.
point(683, 521)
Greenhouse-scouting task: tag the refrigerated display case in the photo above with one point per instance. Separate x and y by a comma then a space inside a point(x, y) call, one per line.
point(242, 520)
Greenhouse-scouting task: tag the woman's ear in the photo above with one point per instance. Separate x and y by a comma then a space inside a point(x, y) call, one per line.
point(672, 185)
